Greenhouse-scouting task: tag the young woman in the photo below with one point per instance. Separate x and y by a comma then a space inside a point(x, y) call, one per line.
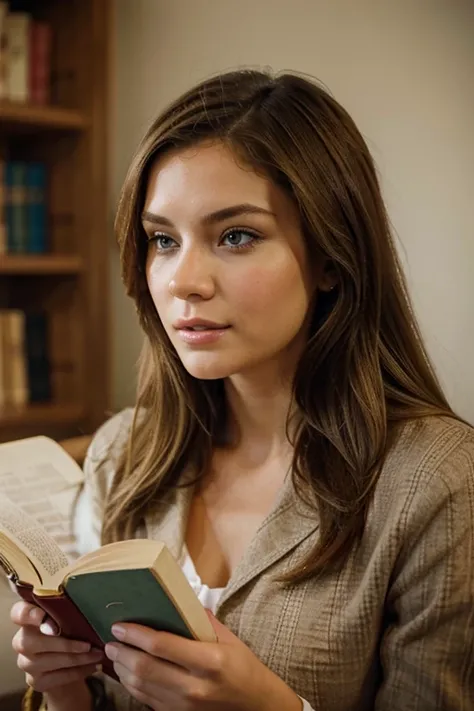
point(290, 442)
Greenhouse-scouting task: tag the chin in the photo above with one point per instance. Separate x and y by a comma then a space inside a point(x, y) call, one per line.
point(205, 366)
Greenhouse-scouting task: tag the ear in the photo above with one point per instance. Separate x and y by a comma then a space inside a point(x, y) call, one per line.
point(328, 278)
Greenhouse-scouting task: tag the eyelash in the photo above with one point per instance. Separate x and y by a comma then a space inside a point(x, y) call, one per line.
point(249, 245)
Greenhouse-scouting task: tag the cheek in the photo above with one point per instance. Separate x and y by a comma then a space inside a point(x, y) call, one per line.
point(270, 292)
point(158, 286)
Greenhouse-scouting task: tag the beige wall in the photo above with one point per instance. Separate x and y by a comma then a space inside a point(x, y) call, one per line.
point(405, 72)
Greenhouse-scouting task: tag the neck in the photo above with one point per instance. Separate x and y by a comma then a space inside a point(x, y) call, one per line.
point(259, 405)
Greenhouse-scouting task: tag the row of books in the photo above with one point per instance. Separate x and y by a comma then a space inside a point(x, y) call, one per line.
point(25, 373)
point(22, 208)
point(25, 57)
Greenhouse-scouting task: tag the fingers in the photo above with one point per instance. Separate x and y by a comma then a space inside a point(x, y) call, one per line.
point(48, 659)
point(40, 664)
point(29, 641)
point(60, 677)
point(22, 613)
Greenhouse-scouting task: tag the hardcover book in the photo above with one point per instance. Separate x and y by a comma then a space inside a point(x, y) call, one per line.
point(16, 213)
point(17, 28)
point(36, 208)
point(130, 581)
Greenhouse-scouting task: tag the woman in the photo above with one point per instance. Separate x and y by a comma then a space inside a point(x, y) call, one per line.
point(290, 442)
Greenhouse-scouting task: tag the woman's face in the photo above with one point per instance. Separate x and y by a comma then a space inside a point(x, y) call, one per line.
point(227, 267)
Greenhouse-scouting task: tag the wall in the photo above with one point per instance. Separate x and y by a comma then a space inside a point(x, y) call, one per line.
point(403, 70)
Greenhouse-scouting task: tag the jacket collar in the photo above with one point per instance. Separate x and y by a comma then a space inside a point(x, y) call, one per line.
point(287, 525)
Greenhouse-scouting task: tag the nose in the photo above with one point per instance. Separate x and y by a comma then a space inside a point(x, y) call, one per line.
point(193, 277)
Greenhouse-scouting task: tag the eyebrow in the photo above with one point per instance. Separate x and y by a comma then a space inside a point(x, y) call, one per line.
point(212, 217)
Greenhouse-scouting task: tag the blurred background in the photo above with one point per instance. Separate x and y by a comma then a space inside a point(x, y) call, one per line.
point(80, 81)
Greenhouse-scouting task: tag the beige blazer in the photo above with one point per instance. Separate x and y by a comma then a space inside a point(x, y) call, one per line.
point(392, 631)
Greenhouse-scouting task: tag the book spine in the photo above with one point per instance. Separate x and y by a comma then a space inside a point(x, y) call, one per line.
point(17, 30)
point(36, 208)
point(3, 227)
point(17, 383)
point(15, 207)
point(3, 51)
point(70, 621)
point(40, 63)
point(37, 356)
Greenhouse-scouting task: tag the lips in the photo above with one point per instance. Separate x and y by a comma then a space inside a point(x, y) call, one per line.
point(204, 328)
point(202, 335)
point(197, 324)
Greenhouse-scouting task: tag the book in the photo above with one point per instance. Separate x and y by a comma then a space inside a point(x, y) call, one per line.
point(14, 357)
point(37, 356)
point(135, 580)
point(3, 51)
point(3, 381)
point(16, 214)
point(35, 185)
point(3, 227)
point(17, 29)
point(40, 63)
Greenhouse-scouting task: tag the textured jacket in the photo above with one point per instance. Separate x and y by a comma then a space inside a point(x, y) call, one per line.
point(393, 630)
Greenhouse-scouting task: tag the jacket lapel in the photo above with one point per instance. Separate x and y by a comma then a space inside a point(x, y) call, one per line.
point(289, 523)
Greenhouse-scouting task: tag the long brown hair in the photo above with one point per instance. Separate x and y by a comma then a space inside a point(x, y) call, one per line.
point(364, 368)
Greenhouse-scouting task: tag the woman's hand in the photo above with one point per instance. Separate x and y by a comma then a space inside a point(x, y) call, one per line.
point(50, 662)
point(170, 672)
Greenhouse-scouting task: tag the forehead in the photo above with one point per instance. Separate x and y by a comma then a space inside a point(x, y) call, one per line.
point(205, 174)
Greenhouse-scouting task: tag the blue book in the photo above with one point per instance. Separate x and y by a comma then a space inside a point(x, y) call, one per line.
point(36, 207)
point(16, 220)
point(37, 356)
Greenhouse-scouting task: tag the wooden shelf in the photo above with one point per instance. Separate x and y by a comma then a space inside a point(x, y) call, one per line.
point(41, 414)
point(69, 284)
point(21, 117)
point(40, 264)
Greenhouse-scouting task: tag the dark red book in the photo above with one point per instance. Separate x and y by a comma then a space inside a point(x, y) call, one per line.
point(39, 74)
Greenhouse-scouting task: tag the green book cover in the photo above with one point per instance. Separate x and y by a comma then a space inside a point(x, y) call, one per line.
point(105, 598)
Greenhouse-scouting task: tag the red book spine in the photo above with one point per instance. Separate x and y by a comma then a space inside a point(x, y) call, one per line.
point(68, 618)
point(40, 63)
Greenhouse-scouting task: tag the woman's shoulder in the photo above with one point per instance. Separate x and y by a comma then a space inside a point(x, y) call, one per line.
point(434, 446)
point(105, 451)
point(111, 437)
point(430, 467)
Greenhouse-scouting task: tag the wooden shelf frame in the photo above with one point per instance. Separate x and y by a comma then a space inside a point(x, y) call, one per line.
point(17, 116)
point(38, 265)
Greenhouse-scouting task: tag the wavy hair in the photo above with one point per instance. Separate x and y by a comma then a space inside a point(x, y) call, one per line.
point(364, 369)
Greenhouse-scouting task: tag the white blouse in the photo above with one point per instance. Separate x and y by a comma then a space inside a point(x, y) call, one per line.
point(88, 541)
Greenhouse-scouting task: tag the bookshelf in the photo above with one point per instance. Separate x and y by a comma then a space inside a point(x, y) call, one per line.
point(17, 117)
point(41, 264)
point(68, 282)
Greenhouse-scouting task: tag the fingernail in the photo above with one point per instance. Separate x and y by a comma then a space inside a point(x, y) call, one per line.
point(111, 652)
point(118, 631)
point(48, 629)
point(36, 615)
point(81, 646)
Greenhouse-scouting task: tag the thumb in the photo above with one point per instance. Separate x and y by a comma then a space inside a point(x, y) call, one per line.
point(223, 633)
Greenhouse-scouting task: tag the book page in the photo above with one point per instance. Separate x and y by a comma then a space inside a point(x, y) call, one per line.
point(23, 530)
point(40, 478)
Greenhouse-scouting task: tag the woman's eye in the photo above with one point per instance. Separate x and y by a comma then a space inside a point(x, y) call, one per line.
point(238, 238)
point(163, 242)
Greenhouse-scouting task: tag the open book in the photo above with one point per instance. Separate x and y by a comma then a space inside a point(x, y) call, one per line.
point(129, 581)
